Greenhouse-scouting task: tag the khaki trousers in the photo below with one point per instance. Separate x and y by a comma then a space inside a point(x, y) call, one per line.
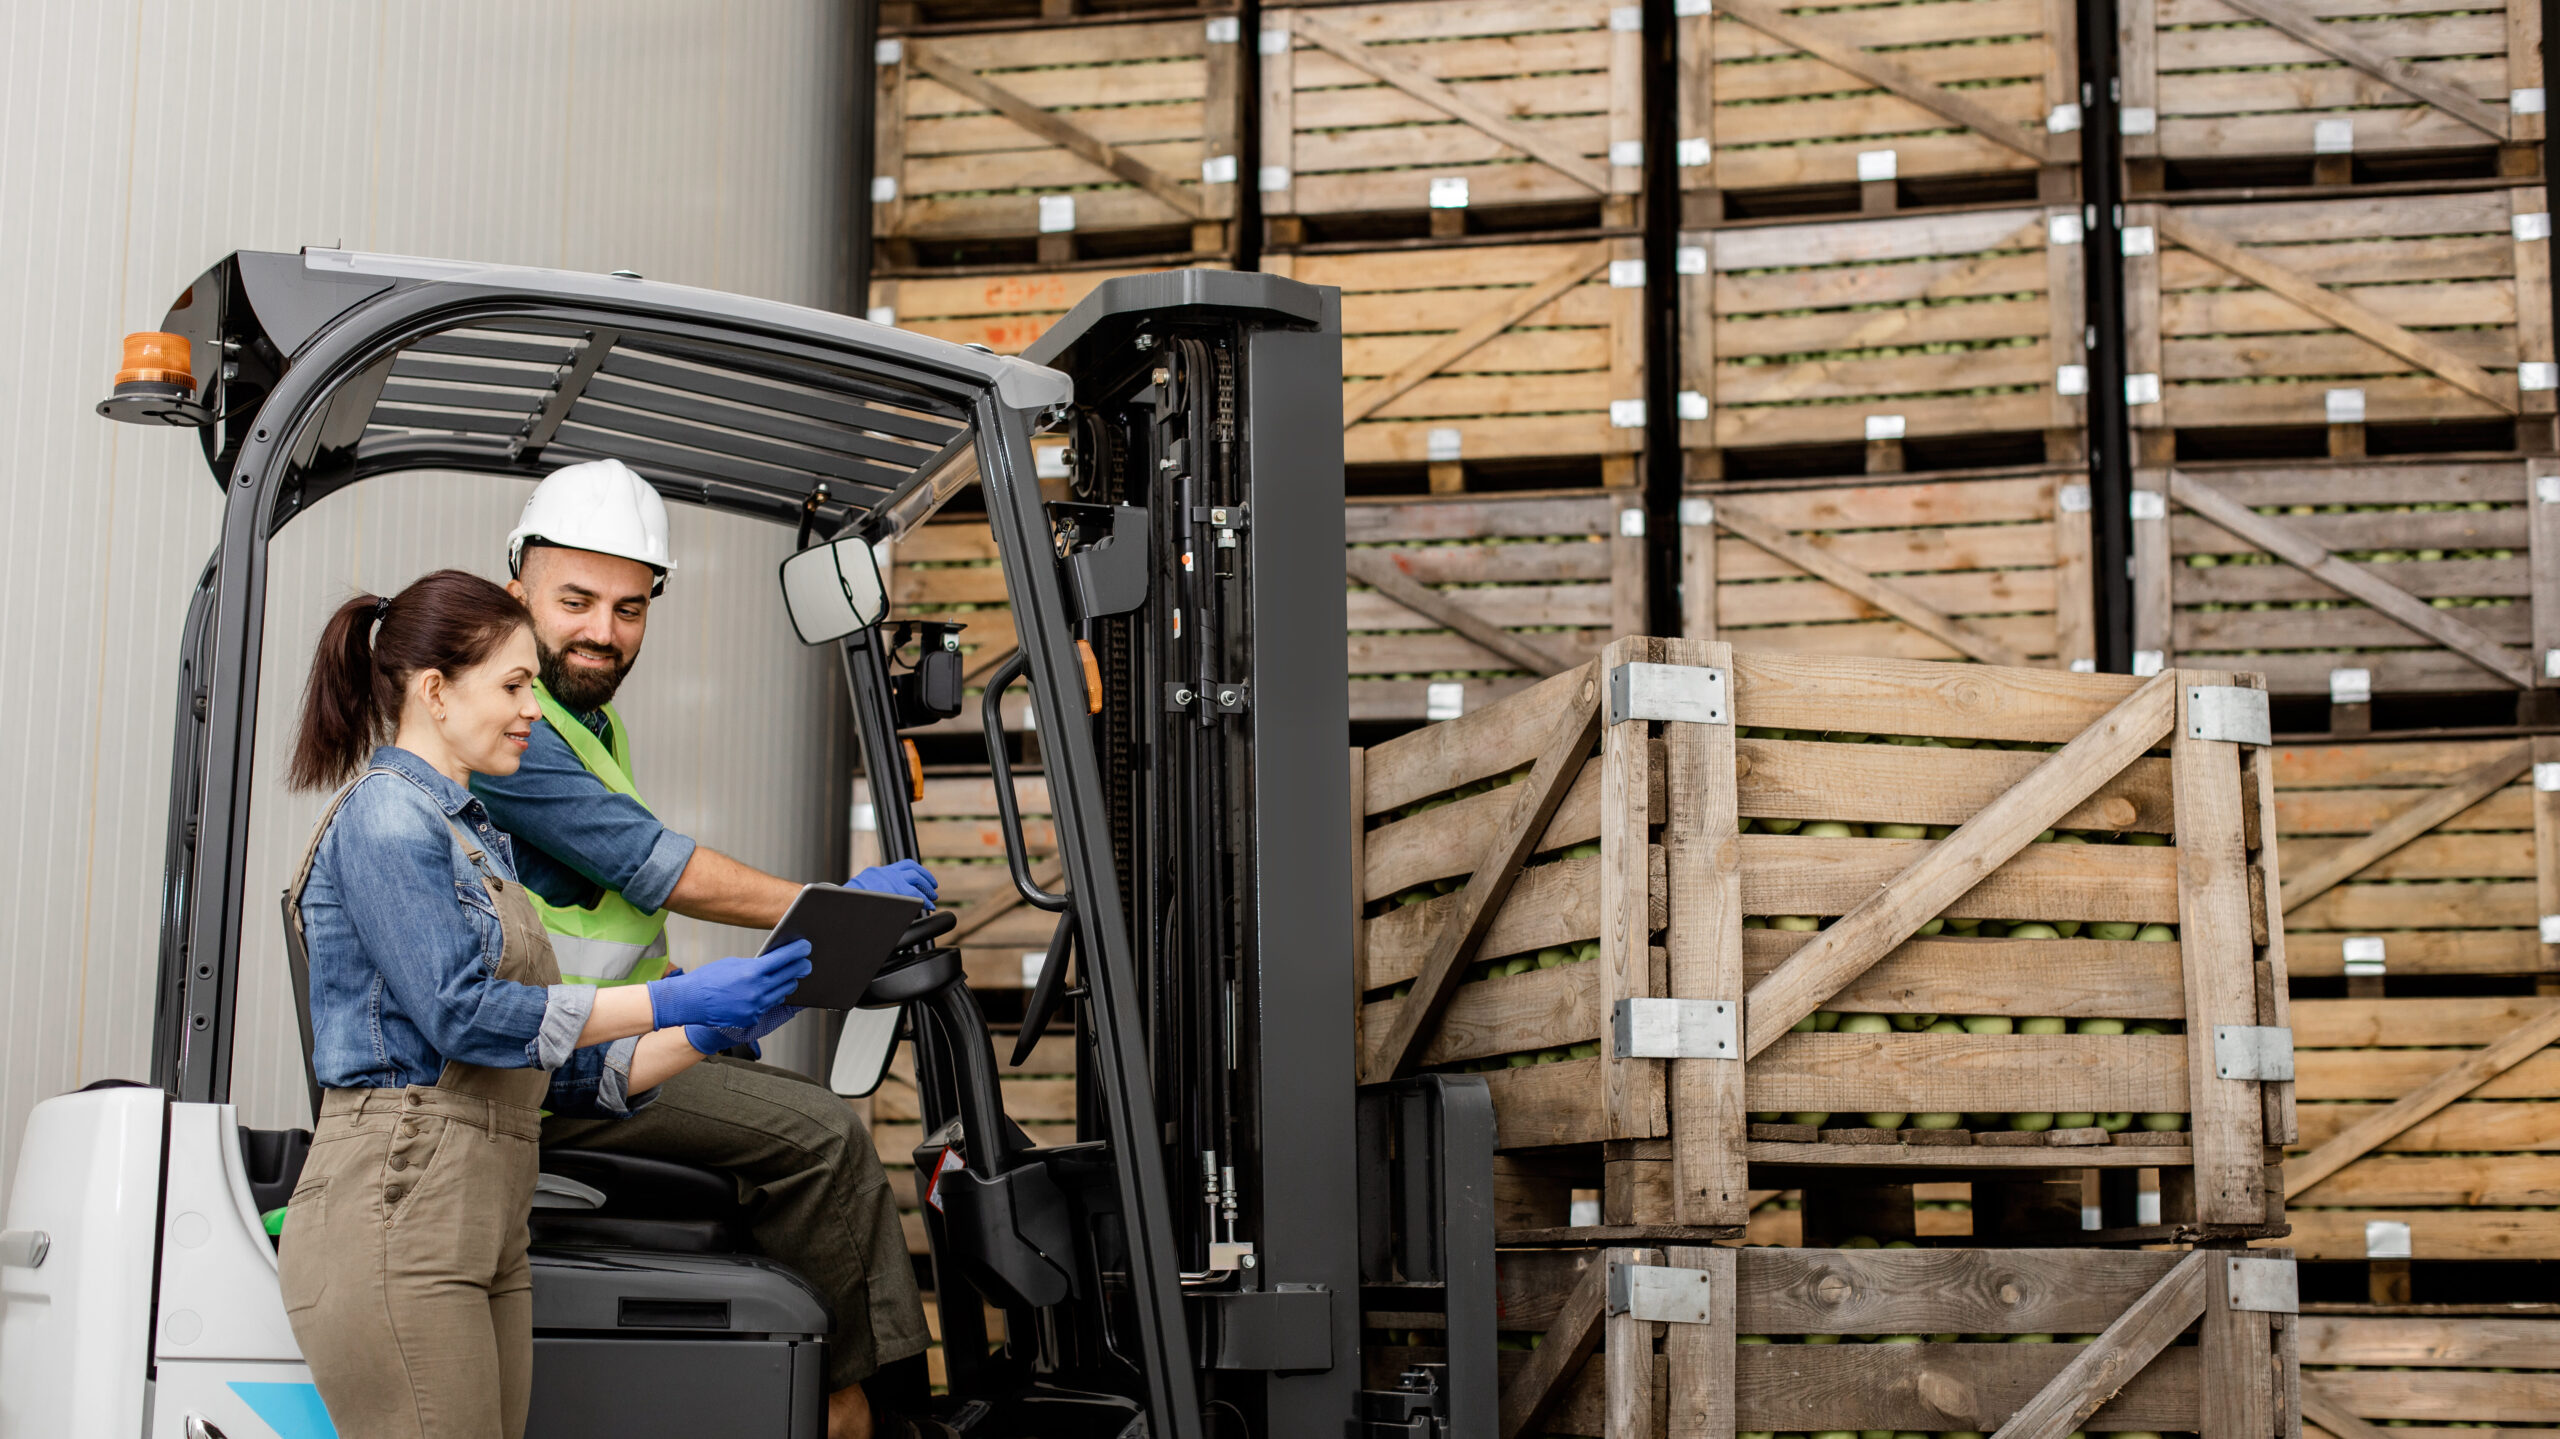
point(403, 1263)
point(815, 1196)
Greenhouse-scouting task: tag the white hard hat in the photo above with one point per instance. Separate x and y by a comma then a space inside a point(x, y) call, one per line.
point(601, 505)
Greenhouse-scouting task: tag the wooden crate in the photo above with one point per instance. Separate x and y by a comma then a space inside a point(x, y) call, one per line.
point(2430, 1373)
point(2430, 1128)
point(1531, 357)
point(2177, 1355)
point(2348, 313)
point(949, 571)
point(2351, 578)
point(1947, 329)
point(1588, 884)
point(1458, 602)
point(1001, 940)
point(901, 17)
point(1873, 108)
point(1004, 311)
point(1451, 115)
point(2420, 861)
point(1995, 570)
point(2207, 81)
point(1126, 136)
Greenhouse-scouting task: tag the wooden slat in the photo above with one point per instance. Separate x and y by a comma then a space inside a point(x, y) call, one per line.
point(1380, 570)
point(1635, 1086)
point(1533, 1392)
point(2121, 1351)
point(1628, 1353)
point(1883, 594)
point(1385, 65)
point(1703, 948)
point(1459, 343)
point(2320, 1407)
point(2476, 1069)
point(1698, 1358)
point(2215, 937)
point(1055, 129)
point(2339, 42)
point(2428, 811)
point(1834, 42)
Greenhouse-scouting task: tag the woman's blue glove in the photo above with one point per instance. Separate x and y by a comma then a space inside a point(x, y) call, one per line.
point(715, 1041)
point(731, 992)
point(905, 877)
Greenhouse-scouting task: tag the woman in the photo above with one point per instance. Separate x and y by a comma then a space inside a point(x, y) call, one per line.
point(440, 1028)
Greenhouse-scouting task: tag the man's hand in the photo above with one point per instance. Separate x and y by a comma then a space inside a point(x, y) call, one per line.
point(906, 877)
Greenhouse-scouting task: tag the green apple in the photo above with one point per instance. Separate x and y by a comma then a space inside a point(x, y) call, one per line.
point(2068, 928)
point(2146, 1028)
point(1587, 1049)
point(2116, 1123)
point(1781, 826)
point(1828, 829)
point(1866, 1024)
point(2070, 837)
point(2045, 1024)
point(1989, 1024)
point(2156, 934)
point(1934, 926)
point(2034, 930)
point(1913, 1023)
point(2164, 1123)
point(1900, 1244)
point(1936, 1121)
point(2148, 841)
point(2113, 929)
point(1842, 736)
point(2099, 1026)
point(1765, 1116)
point(2077, 1120)
point(1896, 1339)
point(1795, 923)
point(1886, 1120)
point(1898, 831)
point(1755, 922)
point(1826, 1020)
point(1963, 926)
point(2030, 1123)
point(1815, 1117)
point(1754, 1339)
point(2031, 1339)
point(1941, 831)
point(1554, 956)
point(1519, 1061)
point(1943, 1026)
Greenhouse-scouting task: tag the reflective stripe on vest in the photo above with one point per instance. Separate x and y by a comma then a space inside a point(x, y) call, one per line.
point(615, 942)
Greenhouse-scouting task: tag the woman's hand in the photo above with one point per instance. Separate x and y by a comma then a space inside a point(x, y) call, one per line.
point(729, 993)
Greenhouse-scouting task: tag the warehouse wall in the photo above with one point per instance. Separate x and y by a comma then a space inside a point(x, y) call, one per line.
point(690, 140)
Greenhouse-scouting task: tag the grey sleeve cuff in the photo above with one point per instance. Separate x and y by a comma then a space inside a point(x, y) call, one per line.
point(565, 1008)
point(614, 1083)
point(656, 878)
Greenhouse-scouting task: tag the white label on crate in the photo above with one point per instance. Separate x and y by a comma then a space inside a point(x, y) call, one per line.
point(1218, 170)
point(884, 188)
point(2345, 407)
point(2146, 1207)
point(2071, 379)
point(1631, 524)
point(1690, 9)
point(1689, 260)
point(1626, 154)
point(1584, 1213)
point(1876, 164)
point(1225, 30)
point(2062, 119)
point(2137, 120)
point(1884, 427)
point(1693, 405)
point(2350, 686)
point(1271, 178)
point(1057, 214)
point(1049, 462)
point(2386, 1239)
point(1033, 961)
point(2074, 499)
point(1697, 512)
point(2147, 663)
point(2147, 505)
point(2536, 226)
point(1441, 445)
point(1444, 701)
point(1692, 152)
point(2084, 667)
point(2537, 375)
point(2551, 929)
point(1626, 414)
point(1626, 17)
point(1626, 274)
point(2065, 229)
point(1272, 42)
point(2142, 389)
point(881, 314)
point(1449, 192)
point(2092, 1217)
point(2363, 954)
point(2141, 240)
point(2333, 137)
point(888, 52)
point(2527, 101)
point(2546, 776)
point(866, 819)
point(2546, 488)
point(1030, 717)
point(2551, 664)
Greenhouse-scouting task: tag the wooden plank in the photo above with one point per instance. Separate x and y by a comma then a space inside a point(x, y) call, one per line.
point(2532, 261)
point(2424, 814)
point(1703, 948)
point(978, 916)
point(1279, 115)
point(1461, 342)
point(2075, 596)
point(2236, 1396)
point(1628, 1351)
point(1385, 65)
point(1533, 1392)
point(1698, 1358)
point(1440, 757)
point(2311, 557)
point(1949, 869)
point(1222, 133)
point(1971, 1073)
point(2214, 936)
point(2340, 43)
point(2476, 1069)
point(1567, 747)
point(1055, 129)
point(2274, 970)
point(1698, 579)
point(2543, 537)
point(1842, 47)
point(1635, 1086)
point(2546, 863)
point(1381, 570)
point(1883, 594)
point(2430, 1342)
point(1903, 1291)
point(2321, 1407)
point(2123, 1349)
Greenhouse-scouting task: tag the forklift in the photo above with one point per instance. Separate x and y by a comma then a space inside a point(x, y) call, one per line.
point(1197, 1262)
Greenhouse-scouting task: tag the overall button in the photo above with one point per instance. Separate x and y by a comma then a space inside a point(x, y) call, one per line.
point(399, 1162)
point(408, 1129)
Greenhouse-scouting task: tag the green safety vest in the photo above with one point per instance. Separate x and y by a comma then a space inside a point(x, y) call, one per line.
point(615, 942)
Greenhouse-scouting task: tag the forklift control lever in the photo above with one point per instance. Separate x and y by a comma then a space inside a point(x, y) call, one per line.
point(940, 922)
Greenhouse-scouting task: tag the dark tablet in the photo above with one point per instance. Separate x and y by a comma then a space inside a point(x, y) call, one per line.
point(850, 932)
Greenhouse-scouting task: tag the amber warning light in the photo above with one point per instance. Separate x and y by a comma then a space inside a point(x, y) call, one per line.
point(157, 385)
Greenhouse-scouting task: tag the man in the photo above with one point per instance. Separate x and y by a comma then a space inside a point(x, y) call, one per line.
point(588, 556)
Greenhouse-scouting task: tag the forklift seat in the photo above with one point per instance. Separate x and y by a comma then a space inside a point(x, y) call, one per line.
point(648, 1204)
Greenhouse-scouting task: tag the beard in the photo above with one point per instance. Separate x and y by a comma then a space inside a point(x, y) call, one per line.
point(582, 690)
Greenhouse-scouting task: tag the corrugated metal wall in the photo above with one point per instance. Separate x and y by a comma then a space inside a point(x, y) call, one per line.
point(690, 140)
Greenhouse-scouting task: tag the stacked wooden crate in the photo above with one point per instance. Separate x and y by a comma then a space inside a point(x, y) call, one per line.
point(960, 838)
point(2432, 1369)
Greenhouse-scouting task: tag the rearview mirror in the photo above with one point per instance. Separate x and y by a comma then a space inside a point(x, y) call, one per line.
point(833, 590)
point(863, 1052)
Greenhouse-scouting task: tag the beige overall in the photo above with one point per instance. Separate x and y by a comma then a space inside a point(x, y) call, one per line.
point(403, 1262)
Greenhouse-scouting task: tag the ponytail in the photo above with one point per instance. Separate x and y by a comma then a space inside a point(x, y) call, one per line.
point(369, 650)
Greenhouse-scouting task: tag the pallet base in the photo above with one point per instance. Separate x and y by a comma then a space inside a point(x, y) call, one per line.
point(1708, 208)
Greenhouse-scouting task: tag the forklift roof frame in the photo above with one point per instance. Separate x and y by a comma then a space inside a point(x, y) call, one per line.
point(329, 367)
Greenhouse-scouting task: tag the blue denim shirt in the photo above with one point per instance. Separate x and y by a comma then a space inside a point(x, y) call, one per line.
point(405, 940)
point(579, 838)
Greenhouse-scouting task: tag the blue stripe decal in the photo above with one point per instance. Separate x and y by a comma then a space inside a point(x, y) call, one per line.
point(294, 1411)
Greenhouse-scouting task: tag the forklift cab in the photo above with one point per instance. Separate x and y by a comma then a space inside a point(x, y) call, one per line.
point(1201, 1248)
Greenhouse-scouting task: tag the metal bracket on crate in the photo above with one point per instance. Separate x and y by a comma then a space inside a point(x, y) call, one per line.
point(2262, 1286)
point(1658, 1293)
point(2252, 1051)
point(2230, 713)
point(1684, 694)
point(1676, 1029)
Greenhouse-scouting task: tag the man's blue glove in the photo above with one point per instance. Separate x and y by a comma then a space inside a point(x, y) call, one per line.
point(715, 1041)
point(730, 993)
point(905, 877)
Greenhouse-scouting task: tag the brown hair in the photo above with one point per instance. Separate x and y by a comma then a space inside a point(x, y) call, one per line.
point(448, 621)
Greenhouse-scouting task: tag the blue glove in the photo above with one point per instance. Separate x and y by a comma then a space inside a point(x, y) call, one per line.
point(905, 877)
point(731, 992)
point(715, 1041)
